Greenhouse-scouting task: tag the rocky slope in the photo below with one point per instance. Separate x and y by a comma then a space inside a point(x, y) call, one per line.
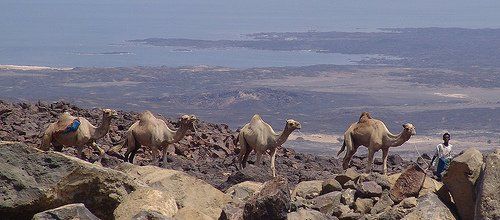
point(208, 154)
point(200, 180)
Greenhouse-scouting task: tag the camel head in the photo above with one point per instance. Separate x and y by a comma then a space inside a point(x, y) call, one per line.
point(292, 124)
point(109, 113)
point(409, 129)
point(189, 120)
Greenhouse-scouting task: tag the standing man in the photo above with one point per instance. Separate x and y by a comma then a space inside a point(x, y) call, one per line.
point(443, 153)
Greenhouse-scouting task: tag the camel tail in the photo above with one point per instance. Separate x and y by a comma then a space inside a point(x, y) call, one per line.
point(347, 145)
point(341, 149)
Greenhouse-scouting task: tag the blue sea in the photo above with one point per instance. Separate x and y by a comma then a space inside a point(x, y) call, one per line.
point(89, 33)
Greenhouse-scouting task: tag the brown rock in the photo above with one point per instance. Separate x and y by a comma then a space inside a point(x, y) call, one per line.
point(363, 205)
point(302, 214)
point(350, 174)
point(272, 202)
point(330, 185)
point(408, 184)
point(146, 200)
point(488, 197)
point(460, 180)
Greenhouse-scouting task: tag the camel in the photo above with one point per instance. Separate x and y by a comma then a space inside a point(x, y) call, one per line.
point(154, 133)
point(260, 136)
point(76, 131)
point(374, 135)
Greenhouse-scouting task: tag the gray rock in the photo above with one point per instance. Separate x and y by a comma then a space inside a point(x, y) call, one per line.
point(67, 212)
point(348, 197)
point(350, 185)
point(488, 197)
point(460, 180)
point(330, 185)
point(383, 203)
point(325, 203)
point(430, 207)
point(307, 189)
point(408, 202)
point(369, 189)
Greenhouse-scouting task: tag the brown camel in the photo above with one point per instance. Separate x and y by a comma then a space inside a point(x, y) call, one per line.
point(154, 133)
point(59, 134)
point(374, 135)
point(260, 136)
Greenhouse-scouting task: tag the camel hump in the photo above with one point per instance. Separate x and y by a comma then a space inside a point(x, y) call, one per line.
point(364, 117)
point(146, 116)
point(255, 118)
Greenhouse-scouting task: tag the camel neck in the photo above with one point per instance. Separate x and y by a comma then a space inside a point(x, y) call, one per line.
point(283, 136)
point(103, 128)
point(180, 133)
point(399, 139)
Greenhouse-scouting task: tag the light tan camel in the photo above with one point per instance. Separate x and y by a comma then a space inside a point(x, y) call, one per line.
point(85, 134)
point(374, 135)
point(154, 133)
point(260, 136)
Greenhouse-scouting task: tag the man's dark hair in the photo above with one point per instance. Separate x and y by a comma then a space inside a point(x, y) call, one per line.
point(446, 134)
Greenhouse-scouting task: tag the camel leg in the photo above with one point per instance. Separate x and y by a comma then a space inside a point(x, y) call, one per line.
point(273, 158)
point(132, 154)
point(385, 153)
point(156, 160)
point(164, 156)
point(369, 163)
point(100, 150)
point(245, 158)
point(243, 152)
point(258, 161)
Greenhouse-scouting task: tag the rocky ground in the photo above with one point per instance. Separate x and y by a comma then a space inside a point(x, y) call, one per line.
point(208, 154)
point(200, 180)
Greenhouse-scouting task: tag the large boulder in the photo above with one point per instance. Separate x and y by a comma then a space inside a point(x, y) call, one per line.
point(67, 212)
point(460, 179)
point(488, 199)
point(307, 189)
point(408, 184)
point(32, 181)
point(430, 207)
point(146, 200)
point(241, 192)
point(187, 191)
point(190, 213)
point(272, 202)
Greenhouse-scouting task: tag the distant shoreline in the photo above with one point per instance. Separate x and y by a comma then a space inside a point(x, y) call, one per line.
point(25, 68)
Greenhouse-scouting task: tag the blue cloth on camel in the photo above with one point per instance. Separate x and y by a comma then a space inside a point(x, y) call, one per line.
point(73, 127)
